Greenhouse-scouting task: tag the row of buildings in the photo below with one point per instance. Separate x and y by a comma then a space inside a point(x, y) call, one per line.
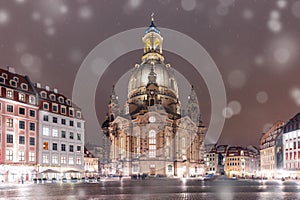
point(41, 130)
point(280, 150)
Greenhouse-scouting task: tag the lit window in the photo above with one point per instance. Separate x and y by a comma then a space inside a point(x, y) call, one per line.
point(21, 97)
point(9, 155)
point(31, 156)
point(32, 99)
point(21, 139)
point(45, 159)
point(45, 146)
point(9, 138)
point(71, 161)
point(10, 108)
point(9, 93)
point(46, 131)
point(54, 132)
point(9, 122)
point(78, 161)
point(54, 159)
point(22, 125)
point(152, 151)
point(21, 155)
point(63, 159)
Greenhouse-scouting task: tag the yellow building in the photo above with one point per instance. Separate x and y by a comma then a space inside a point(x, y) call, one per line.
point(90, 164)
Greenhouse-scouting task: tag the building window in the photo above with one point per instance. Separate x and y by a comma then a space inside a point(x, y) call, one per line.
point(32, 141)
point(13, 83)
point(45, 146)
point(68, 102)
point(78, 114)
point(45, 159)
point(79, 136)
point(16, 79)
point(63, 121)
point(21, 155)
point(32, 99)
point(31, 156)
point(21, 97)
point(54, 159)
point(78, 125)
point(45, 106)
point(21, 139)
point(78, 161)
point(21, 124)
point(46, 131)
point(45, 118)
point(63, 134)
point(10, 108)
point(71, 112)
point(9, 138)
point(71, 161)
point(24, 86)
point(9, 94)
point(71, 148)
point(63, 159)
point(71, 135)
point(152, 143)
point(169, 168)
point(2, 80)
point(71, 123)
point(54, 108)
point(63, 110)
point(43, 94)
point(9, 122)
point(22, 111)
point(54, 146)
point(135, 167)
point(79, 149)
point(54, 119)
point(52, 97)
point(32, 113)
point(9, 155)
point(60, 99)
point(63, 147)
point(54, 132)
point(32, 126)
point(152, 151)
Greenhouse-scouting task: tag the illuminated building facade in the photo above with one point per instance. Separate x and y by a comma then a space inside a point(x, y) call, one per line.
point(19, 127)
point(152, 136)
point(91, 164)
point(269, 154)
point(215, 159)
point(241, 162)
point(61, 134)
point(291, 146)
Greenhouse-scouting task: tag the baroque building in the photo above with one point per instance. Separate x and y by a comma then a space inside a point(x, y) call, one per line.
point(152, 136)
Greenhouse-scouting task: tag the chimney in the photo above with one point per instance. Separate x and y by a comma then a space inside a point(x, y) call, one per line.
point(55, 90)
point(11, 69)
point(38, 85)
point(47, 88)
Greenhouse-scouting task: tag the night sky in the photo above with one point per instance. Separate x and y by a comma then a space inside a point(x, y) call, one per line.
point(254, 43)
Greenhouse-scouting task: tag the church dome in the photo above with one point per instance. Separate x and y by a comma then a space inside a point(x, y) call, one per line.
point(164, 77)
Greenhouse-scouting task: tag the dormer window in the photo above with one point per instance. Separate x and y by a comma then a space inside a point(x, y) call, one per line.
point(52, 97)
point(24, 86)
point(68, 102)
point(60, 99)
point(2, 79)
point(16, 79)
point(43, 94)
point(13, 83)
point(78, 114)
point(4, 75)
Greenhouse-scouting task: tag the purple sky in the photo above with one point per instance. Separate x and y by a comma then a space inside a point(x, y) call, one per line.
point(254, 43)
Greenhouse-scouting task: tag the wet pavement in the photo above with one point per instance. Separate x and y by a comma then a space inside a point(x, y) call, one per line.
point(156, 189)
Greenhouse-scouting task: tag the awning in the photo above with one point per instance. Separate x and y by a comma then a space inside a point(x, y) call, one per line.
point(50, 171)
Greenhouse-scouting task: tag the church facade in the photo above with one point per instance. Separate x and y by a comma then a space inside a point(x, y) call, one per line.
point(152, 135)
